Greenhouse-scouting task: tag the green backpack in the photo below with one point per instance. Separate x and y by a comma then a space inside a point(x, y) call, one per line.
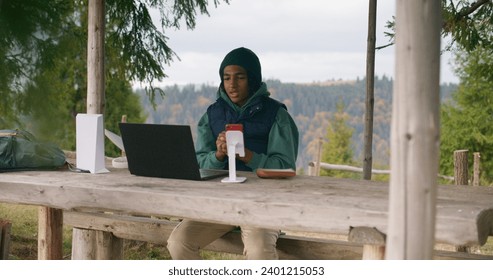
point(19, 150)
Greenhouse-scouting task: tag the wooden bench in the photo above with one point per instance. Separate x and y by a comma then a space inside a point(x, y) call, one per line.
point(289, 246)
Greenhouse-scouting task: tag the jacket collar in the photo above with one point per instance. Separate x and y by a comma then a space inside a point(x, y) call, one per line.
point(252, 101)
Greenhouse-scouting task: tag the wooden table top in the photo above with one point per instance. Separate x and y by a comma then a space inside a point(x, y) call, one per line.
point(301, 203)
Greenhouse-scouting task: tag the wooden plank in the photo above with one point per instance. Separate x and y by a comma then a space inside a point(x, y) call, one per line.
point(123, 226)
point(157, 231)
point(301, 203)
point(50, 233)
point(5, 228)
point(290, 247)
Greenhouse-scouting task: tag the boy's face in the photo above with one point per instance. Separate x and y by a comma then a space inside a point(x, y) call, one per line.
point(235, 81)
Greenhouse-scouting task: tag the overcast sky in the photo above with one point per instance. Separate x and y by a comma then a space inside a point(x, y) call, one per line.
point(299, 41)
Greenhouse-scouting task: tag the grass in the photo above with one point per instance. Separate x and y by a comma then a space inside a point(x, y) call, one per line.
point(24, 239)
point(24, 232)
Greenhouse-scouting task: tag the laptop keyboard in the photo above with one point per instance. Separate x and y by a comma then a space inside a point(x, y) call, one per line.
point(212, 172)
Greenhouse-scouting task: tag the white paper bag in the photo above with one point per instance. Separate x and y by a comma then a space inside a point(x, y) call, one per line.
point(90, 142)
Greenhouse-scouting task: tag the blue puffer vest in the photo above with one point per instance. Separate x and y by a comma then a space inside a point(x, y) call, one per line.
point(257, 121)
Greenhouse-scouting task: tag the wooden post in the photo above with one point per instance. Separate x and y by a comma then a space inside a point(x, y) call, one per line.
point(372, 239)
point(83, 244)
point(477, 169)
point(124, 120)
point(85, 241)
point(95, 57)
point(319, 156)
point(109, 247)
point(311, 169)
point(96, 245)
point(370, 81)
point(461, 176)
point(414, 131)
point(461, 167)
point(5, 228)
point(50, 233)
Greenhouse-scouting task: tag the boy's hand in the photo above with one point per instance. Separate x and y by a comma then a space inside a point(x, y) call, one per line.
point(221, 146)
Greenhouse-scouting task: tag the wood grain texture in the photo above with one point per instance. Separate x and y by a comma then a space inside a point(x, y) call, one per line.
point(5, 228)
point(302, 203)
point(289, 246)
point(415, 132)
point(50, 236)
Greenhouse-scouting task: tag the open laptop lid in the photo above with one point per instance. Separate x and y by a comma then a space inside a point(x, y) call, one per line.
point(158, 150)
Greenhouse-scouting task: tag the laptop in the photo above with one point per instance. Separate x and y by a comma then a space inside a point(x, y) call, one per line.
point(163, 151)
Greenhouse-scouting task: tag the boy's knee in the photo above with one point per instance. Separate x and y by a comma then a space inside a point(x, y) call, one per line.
point(179, 250)
point(261, 245)
point(268, 252)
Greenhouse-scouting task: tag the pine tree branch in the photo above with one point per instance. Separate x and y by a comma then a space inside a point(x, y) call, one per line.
point(471, 9)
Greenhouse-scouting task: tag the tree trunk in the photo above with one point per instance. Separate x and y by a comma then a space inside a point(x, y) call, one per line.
point(477, 169)
point(370, 81)
point(461, 168)
point(50, 233)
point(415, 131)
point(319, 156)
point(95, 57)
point(95, 100)
point(83, 244)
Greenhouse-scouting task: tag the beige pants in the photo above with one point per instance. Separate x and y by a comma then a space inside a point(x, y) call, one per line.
point(189, 237)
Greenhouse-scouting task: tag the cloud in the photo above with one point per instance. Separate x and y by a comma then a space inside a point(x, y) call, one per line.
point(296, 40)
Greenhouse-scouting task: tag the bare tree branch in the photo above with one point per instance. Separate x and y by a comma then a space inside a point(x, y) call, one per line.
point(474, 6)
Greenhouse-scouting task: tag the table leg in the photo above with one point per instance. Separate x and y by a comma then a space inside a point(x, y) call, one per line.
point(50, 233)
point(372, 239)
point(95, 245)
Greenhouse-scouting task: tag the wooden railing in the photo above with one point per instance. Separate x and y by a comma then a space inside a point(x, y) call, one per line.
point(339, 167)
point(461, 169)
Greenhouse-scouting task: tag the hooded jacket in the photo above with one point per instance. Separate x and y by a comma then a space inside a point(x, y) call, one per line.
point(278, 129)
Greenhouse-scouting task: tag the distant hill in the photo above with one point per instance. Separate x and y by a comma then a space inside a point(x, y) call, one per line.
point(311, 106)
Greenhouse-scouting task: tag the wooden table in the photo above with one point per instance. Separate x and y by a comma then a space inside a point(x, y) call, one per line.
point(301, 203)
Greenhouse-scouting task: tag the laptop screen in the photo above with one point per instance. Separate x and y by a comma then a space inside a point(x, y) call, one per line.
point(158, 150)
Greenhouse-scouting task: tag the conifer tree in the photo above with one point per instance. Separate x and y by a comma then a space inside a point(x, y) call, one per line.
point(337, 148)
point(466, 120)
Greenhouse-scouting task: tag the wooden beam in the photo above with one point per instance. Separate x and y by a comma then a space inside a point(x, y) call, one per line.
point(289, 247)
point(370, 82)
point(414, 131)
point(476, 169)
point(50, 233)
point(156, 231)
point(301, 203)
point(5, 228)
point(95, 57)
point(95, 99)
